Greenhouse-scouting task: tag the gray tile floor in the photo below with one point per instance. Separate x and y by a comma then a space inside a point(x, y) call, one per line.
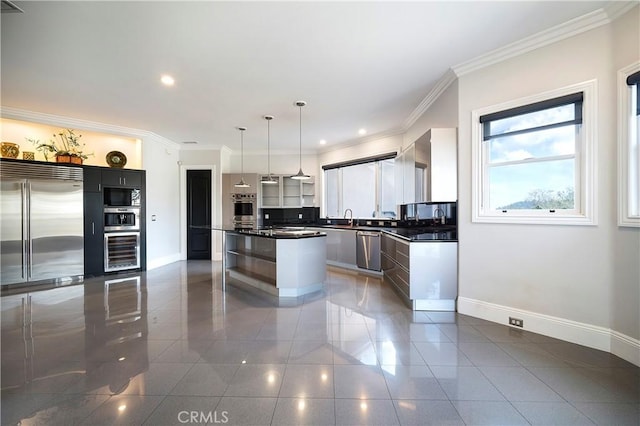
point(167, 347)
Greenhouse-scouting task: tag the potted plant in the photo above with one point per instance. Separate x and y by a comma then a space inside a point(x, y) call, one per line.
point(65, 146)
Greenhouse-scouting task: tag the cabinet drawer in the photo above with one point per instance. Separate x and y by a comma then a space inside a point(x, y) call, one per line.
point(387, 262)
point(402, 259)
point(388, 245)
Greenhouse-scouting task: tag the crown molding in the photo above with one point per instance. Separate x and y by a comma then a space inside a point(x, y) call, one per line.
point(575, 26)
point(438, 89)
point(76, 123)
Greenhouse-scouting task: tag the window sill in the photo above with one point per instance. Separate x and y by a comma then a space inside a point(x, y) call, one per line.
point(528, 219)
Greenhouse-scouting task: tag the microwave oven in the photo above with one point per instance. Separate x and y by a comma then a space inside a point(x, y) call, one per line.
point(121, 197)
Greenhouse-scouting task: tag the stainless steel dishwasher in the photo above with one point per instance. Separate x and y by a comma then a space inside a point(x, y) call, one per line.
point(368, 250)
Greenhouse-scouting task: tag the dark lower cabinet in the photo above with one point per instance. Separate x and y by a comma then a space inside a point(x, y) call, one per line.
point(93, 234)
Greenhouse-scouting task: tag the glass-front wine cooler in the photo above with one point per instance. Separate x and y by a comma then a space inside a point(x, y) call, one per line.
point(121, 251)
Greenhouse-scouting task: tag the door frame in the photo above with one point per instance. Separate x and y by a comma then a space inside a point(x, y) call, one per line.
point(216, 241)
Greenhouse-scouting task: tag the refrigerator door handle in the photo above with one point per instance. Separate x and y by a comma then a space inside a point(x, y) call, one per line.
point(25, 229)
point(28, 264)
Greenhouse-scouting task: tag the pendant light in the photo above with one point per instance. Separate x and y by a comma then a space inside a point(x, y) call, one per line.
point(269, 179)
point(300, 175)
point(242, 183)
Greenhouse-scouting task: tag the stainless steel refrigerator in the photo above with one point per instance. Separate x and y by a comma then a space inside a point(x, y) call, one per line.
point(41, 215)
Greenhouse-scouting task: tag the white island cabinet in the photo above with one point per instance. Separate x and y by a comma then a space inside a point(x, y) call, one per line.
point(282, 263)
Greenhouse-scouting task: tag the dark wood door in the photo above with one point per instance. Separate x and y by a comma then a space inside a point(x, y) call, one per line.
point(198, 213)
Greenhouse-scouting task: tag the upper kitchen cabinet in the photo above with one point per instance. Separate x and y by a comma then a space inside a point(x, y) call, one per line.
point(442, 164)
point(92, 179)
point(121, 178)
point(409, 187)
point(427, 170)
point(288, 192)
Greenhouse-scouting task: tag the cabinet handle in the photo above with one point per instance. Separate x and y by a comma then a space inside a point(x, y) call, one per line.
point(93, 228)
point(99, 187)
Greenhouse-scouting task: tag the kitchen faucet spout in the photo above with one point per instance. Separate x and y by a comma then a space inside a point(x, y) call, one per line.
point(350, 216)
point(439, 219)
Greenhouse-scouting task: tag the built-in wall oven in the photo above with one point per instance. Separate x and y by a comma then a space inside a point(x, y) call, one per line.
point(121, 229)
point(244, 211)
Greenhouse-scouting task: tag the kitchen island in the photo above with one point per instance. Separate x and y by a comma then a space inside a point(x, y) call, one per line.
point(284, 263)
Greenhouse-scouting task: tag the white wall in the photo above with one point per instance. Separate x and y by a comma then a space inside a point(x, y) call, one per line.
point(281, 163)
point(577, 282)
point(625, 289)
point(160, 160)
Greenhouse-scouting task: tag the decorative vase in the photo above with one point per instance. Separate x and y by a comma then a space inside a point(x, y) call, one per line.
point(28, 155)
point(10, 149)
point(68, 159)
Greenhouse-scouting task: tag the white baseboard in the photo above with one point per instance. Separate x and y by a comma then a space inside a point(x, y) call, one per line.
point(625, 347)
point(161, 261)
point(588, 335)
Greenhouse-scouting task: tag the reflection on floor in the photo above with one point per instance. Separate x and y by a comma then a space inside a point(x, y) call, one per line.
point(167, 347)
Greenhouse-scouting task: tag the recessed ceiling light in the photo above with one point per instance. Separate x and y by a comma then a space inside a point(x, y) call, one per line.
point(167, 80)
point(323, 142)
point(362, 132)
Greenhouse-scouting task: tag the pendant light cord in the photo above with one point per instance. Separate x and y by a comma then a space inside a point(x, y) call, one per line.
point(269, 148)
point(300, 107)
point(242, 155)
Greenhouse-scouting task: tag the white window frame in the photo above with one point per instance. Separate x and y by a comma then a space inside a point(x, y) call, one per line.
point(627, 134)
point(586, 165)
point(378, 185)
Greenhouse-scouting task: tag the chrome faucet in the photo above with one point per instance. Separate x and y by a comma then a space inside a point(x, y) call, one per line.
point(439, 219)
point(350, 216)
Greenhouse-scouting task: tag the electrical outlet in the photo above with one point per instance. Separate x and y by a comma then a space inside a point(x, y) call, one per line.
point(516, 321)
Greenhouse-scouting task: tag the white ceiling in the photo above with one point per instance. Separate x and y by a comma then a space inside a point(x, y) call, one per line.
point(357, 64)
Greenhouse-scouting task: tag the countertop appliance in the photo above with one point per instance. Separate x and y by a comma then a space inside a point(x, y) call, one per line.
point(368, 250)
point(41, 216)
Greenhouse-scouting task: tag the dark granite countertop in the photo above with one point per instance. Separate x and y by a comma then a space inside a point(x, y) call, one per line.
point(279, 233)
point(436, 233)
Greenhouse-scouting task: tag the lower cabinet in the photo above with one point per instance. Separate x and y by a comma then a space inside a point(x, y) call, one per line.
point(341, 247)
point(93, 234)
point(394, 255)
point(425, 274)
